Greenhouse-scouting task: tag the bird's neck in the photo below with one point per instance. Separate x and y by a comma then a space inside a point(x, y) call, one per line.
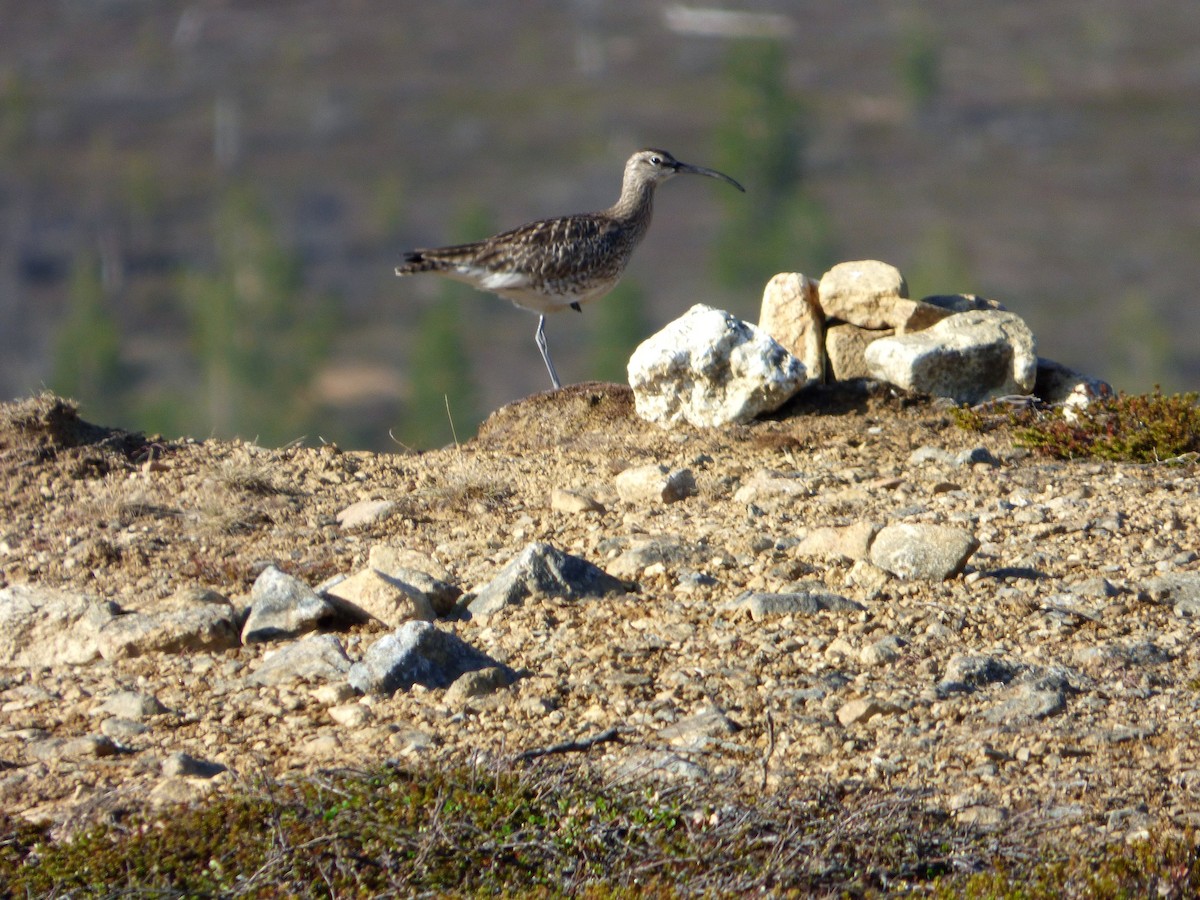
point(636, 203)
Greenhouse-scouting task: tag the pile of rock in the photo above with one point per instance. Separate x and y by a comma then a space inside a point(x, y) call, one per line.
point(708, 368)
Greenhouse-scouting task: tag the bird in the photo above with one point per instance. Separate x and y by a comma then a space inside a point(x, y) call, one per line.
point(562, 263)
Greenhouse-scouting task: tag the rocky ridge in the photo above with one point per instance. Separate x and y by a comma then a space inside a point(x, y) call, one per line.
point(854, 591)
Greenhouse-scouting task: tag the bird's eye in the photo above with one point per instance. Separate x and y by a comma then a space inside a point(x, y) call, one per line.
point(656, 161)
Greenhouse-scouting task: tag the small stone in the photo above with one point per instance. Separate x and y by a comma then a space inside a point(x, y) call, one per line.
point(283, 607)
point(573, 502)
point(543, 570)
point(848, 542)
point(315, 658)
point(350, 715)
point(873, 294)
point(791, 314)
point(132, 705)
point(370, 594)
point(655, 484)
point(365, 513)
point(181, 765)
point(925, 552)
point(409, 571)
point(863, 709)
point(416, 653)
point(760, 606)
point(709, 368)
point(478, 683)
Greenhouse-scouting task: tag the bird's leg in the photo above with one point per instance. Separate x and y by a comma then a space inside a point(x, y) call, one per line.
point(539, 337)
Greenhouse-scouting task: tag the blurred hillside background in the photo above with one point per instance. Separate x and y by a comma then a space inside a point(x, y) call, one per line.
point(201, 203)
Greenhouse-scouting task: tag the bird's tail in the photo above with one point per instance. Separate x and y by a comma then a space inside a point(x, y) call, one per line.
point(439, 259)
point(417, 261)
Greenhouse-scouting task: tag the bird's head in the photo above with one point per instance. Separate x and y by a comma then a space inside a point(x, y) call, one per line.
point(651, 166)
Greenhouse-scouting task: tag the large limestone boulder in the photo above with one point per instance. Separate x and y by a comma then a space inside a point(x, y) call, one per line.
point(709, 368)
point(969, 357)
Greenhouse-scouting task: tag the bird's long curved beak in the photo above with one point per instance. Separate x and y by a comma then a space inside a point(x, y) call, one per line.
point(711, 173)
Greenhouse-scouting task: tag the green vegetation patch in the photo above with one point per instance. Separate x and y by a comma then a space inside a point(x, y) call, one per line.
point(1142, 428)
point(544, 830)
point(553, 831)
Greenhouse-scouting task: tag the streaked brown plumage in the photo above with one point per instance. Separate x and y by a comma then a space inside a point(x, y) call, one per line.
point(553, 264)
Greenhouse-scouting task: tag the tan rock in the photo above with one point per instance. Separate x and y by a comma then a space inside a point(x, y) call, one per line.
point(791, 314)
point(846, 542)
point(863, 293)
point(845, 348)
point(863, 710)
point(573, 502)
point(372, 594)
point(655, 484)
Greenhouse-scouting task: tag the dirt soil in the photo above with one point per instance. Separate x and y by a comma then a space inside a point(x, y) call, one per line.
point(1065, 597)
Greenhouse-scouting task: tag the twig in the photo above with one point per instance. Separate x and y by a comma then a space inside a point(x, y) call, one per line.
point(453, 433)
point(766, 761)
point(570, 746)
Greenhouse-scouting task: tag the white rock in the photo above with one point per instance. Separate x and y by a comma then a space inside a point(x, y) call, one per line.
point(791, 314)
point(709, 368)
point(969, 357)
point(416, 653)
point(543, 570)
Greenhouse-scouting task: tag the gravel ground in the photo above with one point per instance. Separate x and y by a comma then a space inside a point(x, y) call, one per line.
point(1050, 685)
